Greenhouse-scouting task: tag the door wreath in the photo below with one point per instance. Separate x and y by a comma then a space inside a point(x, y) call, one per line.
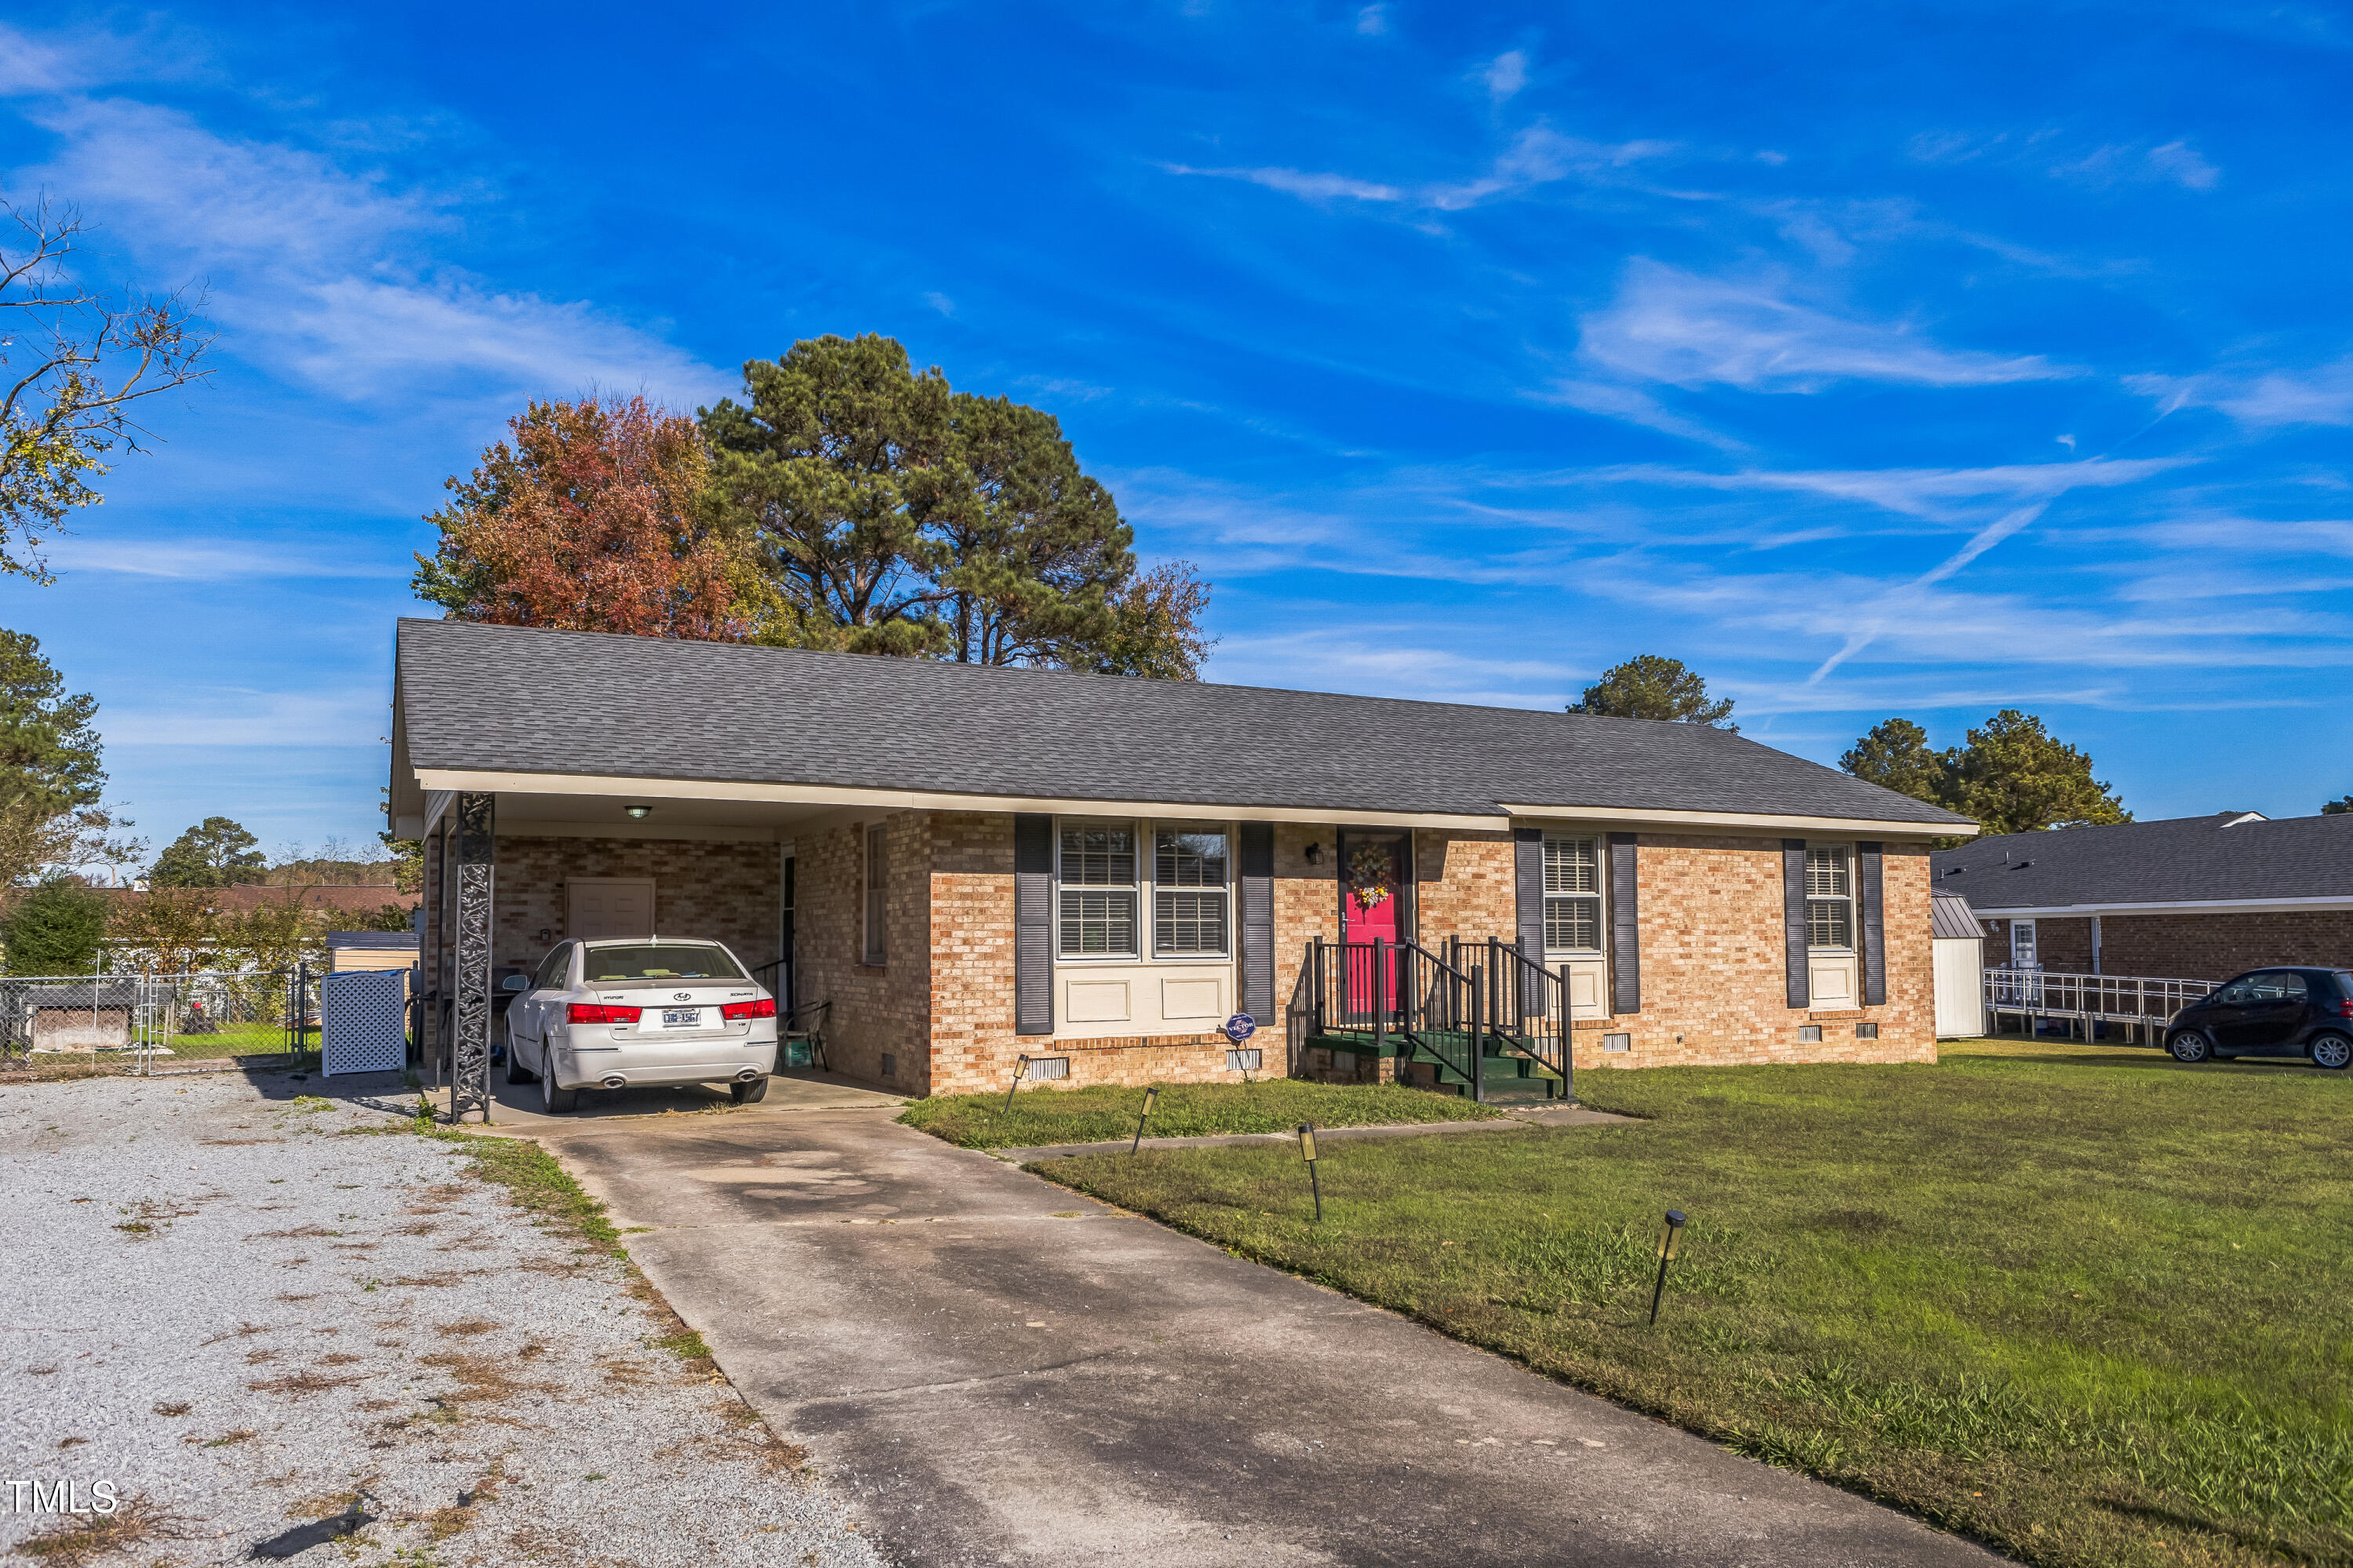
point(1369, 868)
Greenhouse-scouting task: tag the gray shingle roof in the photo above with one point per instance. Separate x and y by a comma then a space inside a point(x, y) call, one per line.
point(2180, 860)
point(512, 699)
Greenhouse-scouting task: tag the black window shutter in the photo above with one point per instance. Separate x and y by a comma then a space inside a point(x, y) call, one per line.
point(1258, 920)
point(1793, 919)
point(1527, 890)
point(1874, 926)
point(1033, 923)
point(1625, 928)
point(1527, 907)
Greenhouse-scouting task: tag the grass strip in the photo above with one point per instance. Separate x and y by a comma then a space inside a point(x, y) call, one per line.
point(2090, 1307)
point(1100, 1113)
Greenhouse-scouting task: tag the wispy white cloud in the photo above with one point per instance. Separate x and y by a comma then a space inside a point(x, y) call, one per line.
point(1667, 325)
point(1538, 156)
point(2111, 163)
point(1505, 75)
point(2319, 396)
point(939, 303)
point(294, 720)
point(1616, 400)
point(217, 561)
point(1941, 494)
point(1300, 183)
point(1373, 21)
point(329, 273)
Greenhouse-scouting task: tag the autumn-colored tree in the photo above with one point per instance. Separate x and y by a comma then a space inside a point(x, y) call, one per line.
point(587, 519)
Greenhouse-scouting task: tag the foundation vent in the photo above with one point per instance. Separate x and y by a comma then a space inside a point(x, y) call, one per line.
point(890, 1065)
point(1043, 1067)
point(1617, 1042)
point(1244, 1061)
point(1866, 1031)
point(1809, 1034)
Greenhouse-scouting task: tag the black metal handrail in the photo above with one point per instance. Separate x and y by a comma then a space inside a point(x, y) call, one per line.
point(1387, 989)
point(1528, 1004)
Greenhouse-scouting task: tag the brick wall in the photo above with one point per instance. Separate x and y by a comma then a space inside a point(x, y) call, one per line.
point(723, 892)
point(2190, 946)
point(1714, 986)
point(878, 1010)
point(1714, 981)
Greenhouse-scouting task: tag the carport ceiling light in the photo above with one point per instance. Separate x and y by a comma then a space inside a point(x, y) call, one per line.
point(639, 812)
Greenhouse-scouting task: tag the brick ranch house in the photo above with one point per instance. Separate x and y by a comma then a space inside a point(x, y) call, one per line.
point(971, 863)
point(2185, 898)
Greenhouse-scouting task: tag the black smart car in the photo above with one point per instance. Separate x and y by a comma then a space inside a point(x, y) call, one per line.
point(2271, 1013)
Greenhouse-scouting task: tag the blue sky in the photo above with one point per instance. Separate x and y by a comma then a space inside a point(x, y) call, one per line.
point(1872, 360)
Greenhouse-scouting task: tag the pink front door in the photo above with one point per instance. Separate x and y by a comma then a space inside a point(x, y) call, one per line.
point(1368, 912)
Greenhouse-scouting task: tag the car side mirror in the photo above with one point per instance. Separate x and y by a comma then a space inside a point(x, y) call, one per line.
point(516, 982)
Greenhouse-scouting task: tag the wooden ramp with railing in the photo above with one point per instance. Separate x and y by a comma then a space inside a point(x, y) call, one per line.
point(1485, 1019)
point(2142, 1006)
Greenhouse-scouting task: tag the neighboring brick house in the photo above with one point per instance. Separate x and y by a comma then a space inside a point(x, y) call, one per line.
point(2185, 898)
point(974, 863)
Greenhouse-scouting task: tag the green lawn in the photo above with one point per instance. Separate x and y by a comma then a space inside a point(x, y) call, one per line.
point(2088, 1304)
point(1094, 1115)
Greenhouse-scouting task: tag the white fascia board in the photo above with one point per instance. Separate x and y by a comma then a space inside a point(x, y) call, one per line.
point(558, 784)
point(2322, 904)
point(1857, 826)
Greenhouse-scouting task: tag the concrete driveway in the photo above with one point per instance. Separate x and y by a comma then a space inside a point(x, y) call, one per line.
point(1001, 1371)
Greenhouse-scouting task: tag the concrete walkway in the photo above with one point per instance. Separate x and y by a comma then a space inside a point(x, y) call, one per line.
point(1001, 1371)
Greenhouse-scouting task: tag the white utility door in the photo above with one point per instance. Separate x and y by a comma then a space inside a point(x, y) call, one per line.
point(599, 906)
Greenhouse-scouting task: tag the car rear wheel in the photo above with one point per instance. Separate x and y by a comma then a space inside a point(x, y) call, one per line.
point(2333, 1052)
point(556, 1101)
point(2188, 1045)
point(758, 1090)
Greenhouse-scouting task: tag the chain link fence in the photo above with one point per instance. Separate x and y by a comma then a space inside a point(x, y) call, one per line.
point(137, 1022)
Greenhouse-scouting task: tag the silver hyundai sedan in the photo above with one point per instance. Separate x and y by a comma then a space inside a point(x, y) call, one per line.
point(640, 1010)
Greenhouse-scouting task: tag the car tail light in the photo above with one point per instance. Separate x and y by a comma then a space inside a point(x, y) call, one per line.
point(2345, 1007)
point(590, 1013)
point(738, 1009)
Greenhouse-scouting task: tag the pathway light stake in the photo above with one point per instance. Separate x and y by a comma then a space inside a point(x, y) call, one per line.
point(1667, 1245)
point(1021, 1069)
point(1150, 1095)
point(1307, 1152)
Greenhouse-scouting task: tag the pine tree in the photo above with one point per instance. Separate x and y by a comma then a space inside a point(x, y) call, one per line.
point(1649, 686)
point(55, 929)
point(209, 854)
point(1896, 754)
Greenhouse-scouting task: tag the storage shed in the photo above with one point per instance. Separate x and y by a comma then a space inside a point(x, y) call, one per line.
point(1959, 942)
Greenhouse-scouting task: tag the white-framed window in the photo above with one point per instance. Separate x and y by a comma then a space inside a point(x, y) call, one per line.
point(1572, 895)
point(877, 875)
point(2022, 953)
point(1189, 891)
point(1830, 898)
point(1095, 907)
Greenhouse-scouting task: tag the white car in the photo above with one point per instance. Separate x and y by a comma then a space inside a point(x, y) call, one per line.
point(640, 1010)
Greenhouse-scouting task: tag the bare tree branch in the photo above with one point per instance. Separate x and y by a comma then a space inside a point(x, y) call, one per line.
point(74, 362)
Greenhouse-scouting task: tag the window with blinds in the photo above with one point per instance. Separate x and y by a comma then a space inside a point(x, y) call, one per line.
point(1572, 895)
point(1830, 898)
point(1189, 892)
point(1097, 907)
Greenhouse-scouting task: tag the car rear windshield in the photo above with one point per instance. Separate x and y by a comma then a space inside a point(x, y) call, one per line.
point(621, 964)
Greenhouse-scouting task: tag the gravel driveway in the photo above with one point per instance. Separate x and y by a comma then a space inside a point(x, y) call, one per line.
point(230, 1305)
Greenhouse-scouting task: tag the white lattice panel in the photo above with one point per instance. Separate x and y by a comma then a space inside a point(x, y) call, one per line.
point(363, 1015)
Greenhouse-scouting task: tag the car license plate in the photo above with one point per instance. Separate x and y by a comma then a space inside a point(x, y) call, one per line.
point(681, 1017)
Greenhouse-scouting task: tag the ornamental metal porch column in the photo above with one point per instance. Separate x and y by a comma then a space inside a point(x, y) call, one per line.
point(473, 862)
